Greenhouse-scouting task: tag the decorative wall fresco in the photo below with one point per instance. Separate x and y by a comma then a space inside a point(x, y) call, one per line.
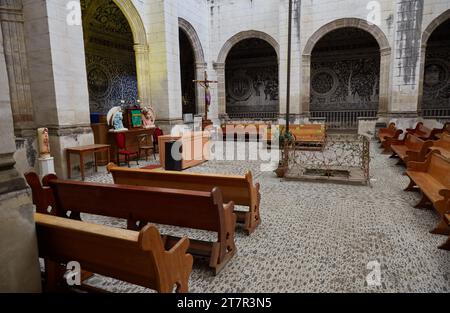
point(351, 84)
point(251, 73)
point(110, 59)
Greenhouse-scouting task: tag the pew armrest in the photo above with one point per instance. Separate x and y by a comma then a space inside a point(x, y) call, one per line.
point(417, 166)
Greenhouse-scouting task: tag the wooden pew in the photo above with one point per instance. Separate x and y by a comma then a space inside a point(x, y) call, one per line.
point(411, 148)
point(437, 133)
point(442, 145)
point(446, 245)
point(101, 249)
point(420, 131)
point(433, 179)
point(140, 205)
point(386, 132)
point(388, 135)
point(239, 189)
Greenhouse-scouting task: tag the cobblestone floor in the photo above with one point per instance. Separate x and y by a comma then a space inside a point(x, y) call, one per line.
point(320, 237)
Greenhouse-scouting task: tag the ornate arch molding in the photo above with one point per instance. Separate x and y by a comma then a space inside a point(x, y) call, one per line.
point(374, 30)
point(200, 62)
point(246, 35)
point(222, 57)
point(193, 38)
point(141, 47)
point(433, 25)
point(425, 38)
point(385, 52)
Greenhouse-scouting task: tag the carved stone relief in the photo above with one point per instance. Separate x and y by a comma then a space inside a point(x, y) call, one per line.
point(349, 84)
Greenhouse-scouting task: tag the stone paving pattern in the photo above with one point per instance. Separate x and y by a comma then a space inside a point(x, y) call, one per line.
point(318, 237)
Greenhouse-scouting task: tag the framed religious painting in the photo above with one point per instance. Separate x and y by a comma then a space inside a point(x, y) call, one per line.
point(134, 117)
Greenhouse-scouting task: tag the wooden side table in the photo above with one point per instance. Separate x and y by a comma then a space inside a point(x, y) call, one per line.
point(81, 151)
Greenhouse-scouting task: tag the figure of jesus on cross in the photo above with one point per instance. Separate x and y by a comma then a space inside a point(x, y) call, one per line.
point(205, 84)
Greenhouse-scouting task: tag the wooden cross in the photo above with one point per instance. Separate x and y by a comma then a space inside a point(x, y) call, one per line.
point(205, 84)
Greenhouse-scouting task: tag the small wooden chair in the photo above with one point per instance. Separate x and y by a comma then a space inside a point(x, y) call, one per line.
point(144, 145)
point(158, 132)
point(122, 150)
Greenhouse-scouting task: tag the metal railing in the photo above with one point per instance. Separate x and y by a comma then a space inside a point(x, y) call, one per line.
point(441, 115)
point(254, 115)
point(343, 119)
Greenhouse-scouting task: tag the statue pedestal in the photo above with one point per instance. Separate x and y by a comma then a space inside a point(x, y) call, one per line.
point(46, 166)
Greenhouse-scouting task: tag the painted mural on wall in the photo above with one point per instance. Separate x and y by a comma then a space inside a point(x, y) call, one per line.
point(351, 84)
point(252, 88)
point(436, 89)
point(110, 59)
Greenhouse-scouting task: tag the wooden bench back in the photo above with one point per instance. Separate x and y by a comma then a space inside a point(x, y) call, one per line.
point(444, 142)
point(389, 131)
point(413, 142)
point(101, 249)
point(439, 168)
point(234, 188)
point(192, 209)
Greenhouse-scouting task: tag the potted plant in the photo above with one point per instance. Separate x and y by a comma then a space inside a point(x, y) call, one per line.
point(286, 140)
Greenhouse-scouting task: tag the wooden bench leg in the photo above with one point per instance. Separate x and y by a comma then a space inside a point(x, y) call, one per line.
point(441, 229)
point(224, 249)
point(424, 203)
point(446, 245)
point(411, 186)
point(253, 217)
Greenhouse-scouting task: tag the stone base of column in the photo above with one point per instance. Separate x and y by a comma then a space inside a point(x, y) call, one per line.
point(46, 166)
point(19, 258)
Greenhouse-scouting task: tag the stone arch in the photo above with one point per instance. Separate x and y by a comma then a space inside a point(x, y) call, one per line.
point(246, 35)
point(200, 63)
point(434, 24)
point(385, 52)
point(193, 38)
point(141, 48)
point(222, 57)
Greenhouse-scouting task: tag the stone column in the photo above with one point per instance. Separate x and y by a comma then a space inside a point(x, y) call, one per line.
point(306, 85)
point(11, 20)
point(165, 81)
point(58, 79)
point(143, 72)
point(200, 69)
point(221, 91)
point(406, 64)
point(19, 263)
point(384, 96)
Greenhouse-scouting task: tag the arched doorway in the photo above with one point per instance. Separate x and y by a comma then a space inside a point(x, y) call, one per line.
point(110, 46)
point(436, 72)
point(345, 77)
point(188, 75)
point(251, 76)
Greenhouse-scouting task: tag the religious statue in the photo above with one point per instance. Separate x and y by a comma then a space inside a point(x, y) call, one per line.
point(205, 84)
point(115, 119)
point(148, 117)
point(44, 143)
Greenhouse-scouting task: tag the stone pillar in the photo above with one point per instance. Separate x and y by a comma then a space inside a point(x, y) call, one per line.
point(384, 96)
point(19, 263)
point(406, 65)
point(143, 72)
point(165, 81)
point(221, 89)
point(200, 69)
point(306, 85)
point(58, 79)
point(11, 20)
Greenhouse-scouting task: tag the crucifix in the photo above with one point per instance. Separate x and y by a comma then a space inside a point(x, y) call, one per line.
point(205, 84)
